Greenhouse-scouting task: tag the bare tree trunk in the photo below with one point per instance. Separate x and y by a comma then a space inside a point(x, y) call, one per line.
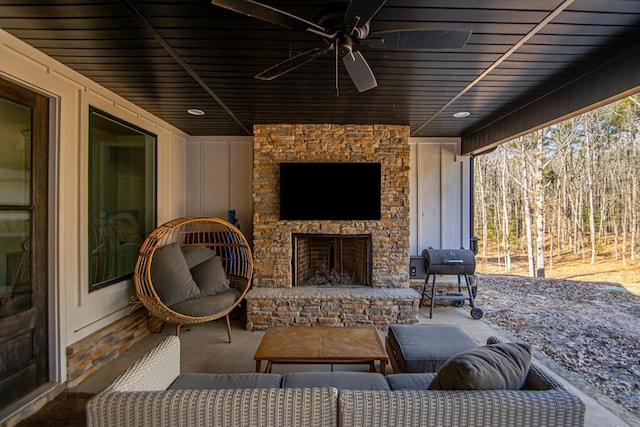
point(589, 174)
point(633, 226)
point(551, 233)
point(616, 249)
point(483, 209)
point(562, 216)
point(559, 225)
point(580, 234)
point(602, 229)
point(624, 235)
point(505, 218)
point(538, 203)
point(526, 207)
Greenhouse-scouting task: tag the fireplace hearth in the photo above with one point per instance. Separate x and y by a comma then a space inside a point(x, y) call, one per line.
point(331, 260)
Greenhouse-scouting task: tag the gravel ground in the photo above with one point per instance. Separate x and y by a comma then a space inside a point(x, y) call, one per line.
point(589, 328)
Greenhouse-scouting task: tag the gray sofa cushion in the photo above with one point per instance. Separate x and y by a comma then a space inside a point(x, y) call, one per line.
point(207, 306)
point(492, 367)
point(424, 348)
point(195, 254)
point(171, 277)
point(210, 276)
point(412, 381)
point(201, 381)
point(340, 380)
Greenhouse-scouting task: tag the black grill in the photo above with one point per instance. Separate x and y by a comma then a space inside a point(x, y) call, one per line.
point(451, 262)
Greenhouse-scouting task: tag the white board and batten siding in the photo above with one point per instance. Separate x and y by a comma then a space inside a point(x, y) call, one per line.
point(219, 179)
point(440, 195)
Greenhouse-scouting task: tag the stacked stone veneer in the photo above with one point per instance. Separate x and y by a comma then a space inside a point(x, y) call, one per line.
point(86, 356)
point(309, 306)
point(273, 294)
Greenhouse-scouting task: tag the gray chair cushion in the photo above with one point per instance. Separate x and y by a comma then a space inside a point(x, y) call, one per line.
point(195, 254)
point(206, 306)
point(424, 348)
point(171, 277)
point(210, 276)
point(201, 381)
point(412, 381)
point(492, 367)
point(340, 380)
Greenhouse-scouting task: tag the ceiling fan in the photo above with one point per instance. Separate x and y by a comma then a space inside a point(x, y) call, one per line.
point(344, 27)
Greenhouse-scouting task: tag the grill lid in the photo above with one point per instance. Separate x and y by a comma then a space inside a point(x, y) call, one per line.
point(449, 261)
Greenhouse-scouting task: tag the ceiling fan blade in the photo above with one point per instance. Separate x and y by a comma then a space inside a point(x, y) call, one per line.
point(363, 9)
point(424, 39)
point(359, 71)
point(291, 63)
point(270, 14)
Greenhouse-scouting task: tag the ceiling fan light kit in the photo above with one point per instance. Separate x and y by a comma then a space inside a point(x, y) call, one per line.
point(344, 26)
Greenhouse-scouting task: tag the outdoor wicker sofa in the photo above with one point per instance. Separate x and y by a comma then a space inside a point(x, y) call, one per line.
point(146, 395)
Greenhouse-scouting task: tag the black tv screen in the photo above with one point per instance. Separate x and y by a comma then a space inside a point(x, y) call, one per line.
point(330, 191)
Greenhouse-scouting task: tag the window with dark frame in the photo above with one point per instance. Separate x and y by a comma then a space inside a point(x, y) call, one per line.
point(122, 196)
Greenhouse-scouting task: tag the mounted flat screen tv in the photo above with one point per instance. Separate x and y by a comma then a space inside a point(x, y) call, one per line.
point(330, 191)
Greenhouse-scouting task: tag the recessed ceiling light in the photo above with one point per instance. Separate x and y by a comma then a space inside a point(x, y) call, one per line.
point(461, 114)
point(195, 112)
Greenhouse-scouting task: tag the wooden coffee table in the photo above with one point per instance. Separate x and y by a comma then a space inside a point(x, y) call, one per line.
point(321, 344)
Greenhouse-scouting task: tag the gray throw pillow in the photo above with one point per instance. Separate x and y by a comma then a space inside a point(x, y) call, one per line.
point(210, 276)
point(493, 367)
point(195, 254)
point(171, 277)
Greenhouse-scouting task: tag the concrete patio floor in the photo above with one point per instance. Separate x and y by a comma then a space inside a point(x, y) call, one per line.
point(205, 349)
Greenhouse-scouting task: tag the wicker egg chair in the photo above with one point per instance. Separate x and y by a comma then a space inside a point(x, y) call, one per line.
point(228, 243)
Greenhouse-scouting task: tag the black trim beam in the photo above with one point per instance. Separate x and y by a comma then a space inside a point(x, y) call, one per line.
point(535, 30)
point(186, 67)
point(611, 81)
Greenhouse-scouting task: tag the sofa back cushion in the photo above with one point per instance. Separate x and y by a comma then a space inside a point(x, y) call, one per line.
point(204, 381)
point(410, 381)
point(340, 380)
point(493, 367)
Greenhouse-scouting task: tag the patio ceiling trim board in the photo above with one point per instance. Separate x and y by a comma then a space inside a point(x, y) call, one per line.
point(583, 94)
point(535, 30)
point(151, 30)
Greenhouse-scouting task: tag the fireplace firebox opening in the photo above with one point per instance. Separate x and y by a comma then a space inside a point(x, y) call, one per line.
point(331, 260)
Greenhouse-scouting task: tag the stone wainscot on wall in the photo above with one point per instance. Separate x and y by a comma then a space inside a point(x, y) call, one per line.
point(273, 292)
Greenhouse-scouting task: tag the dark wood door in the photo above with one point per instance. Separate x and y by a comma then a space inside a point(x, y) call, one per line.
point(24, 363)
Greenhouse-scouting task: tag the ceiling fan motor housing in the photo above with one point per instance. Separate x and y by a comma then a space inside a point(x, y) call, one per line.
point(345, 46)
point(331, 17)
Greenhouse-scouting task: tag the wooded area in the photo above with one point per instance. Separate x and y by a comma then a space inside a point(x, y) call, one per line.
point(568, 188)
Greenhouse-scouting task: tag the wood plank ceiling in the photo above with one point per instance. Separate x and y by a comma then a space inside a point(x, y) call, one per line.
point(169, 56)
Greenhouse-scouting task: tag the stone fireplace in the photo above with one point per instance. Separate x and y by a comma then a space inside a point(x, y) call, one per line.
point(331, 260)
point(376, 291)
